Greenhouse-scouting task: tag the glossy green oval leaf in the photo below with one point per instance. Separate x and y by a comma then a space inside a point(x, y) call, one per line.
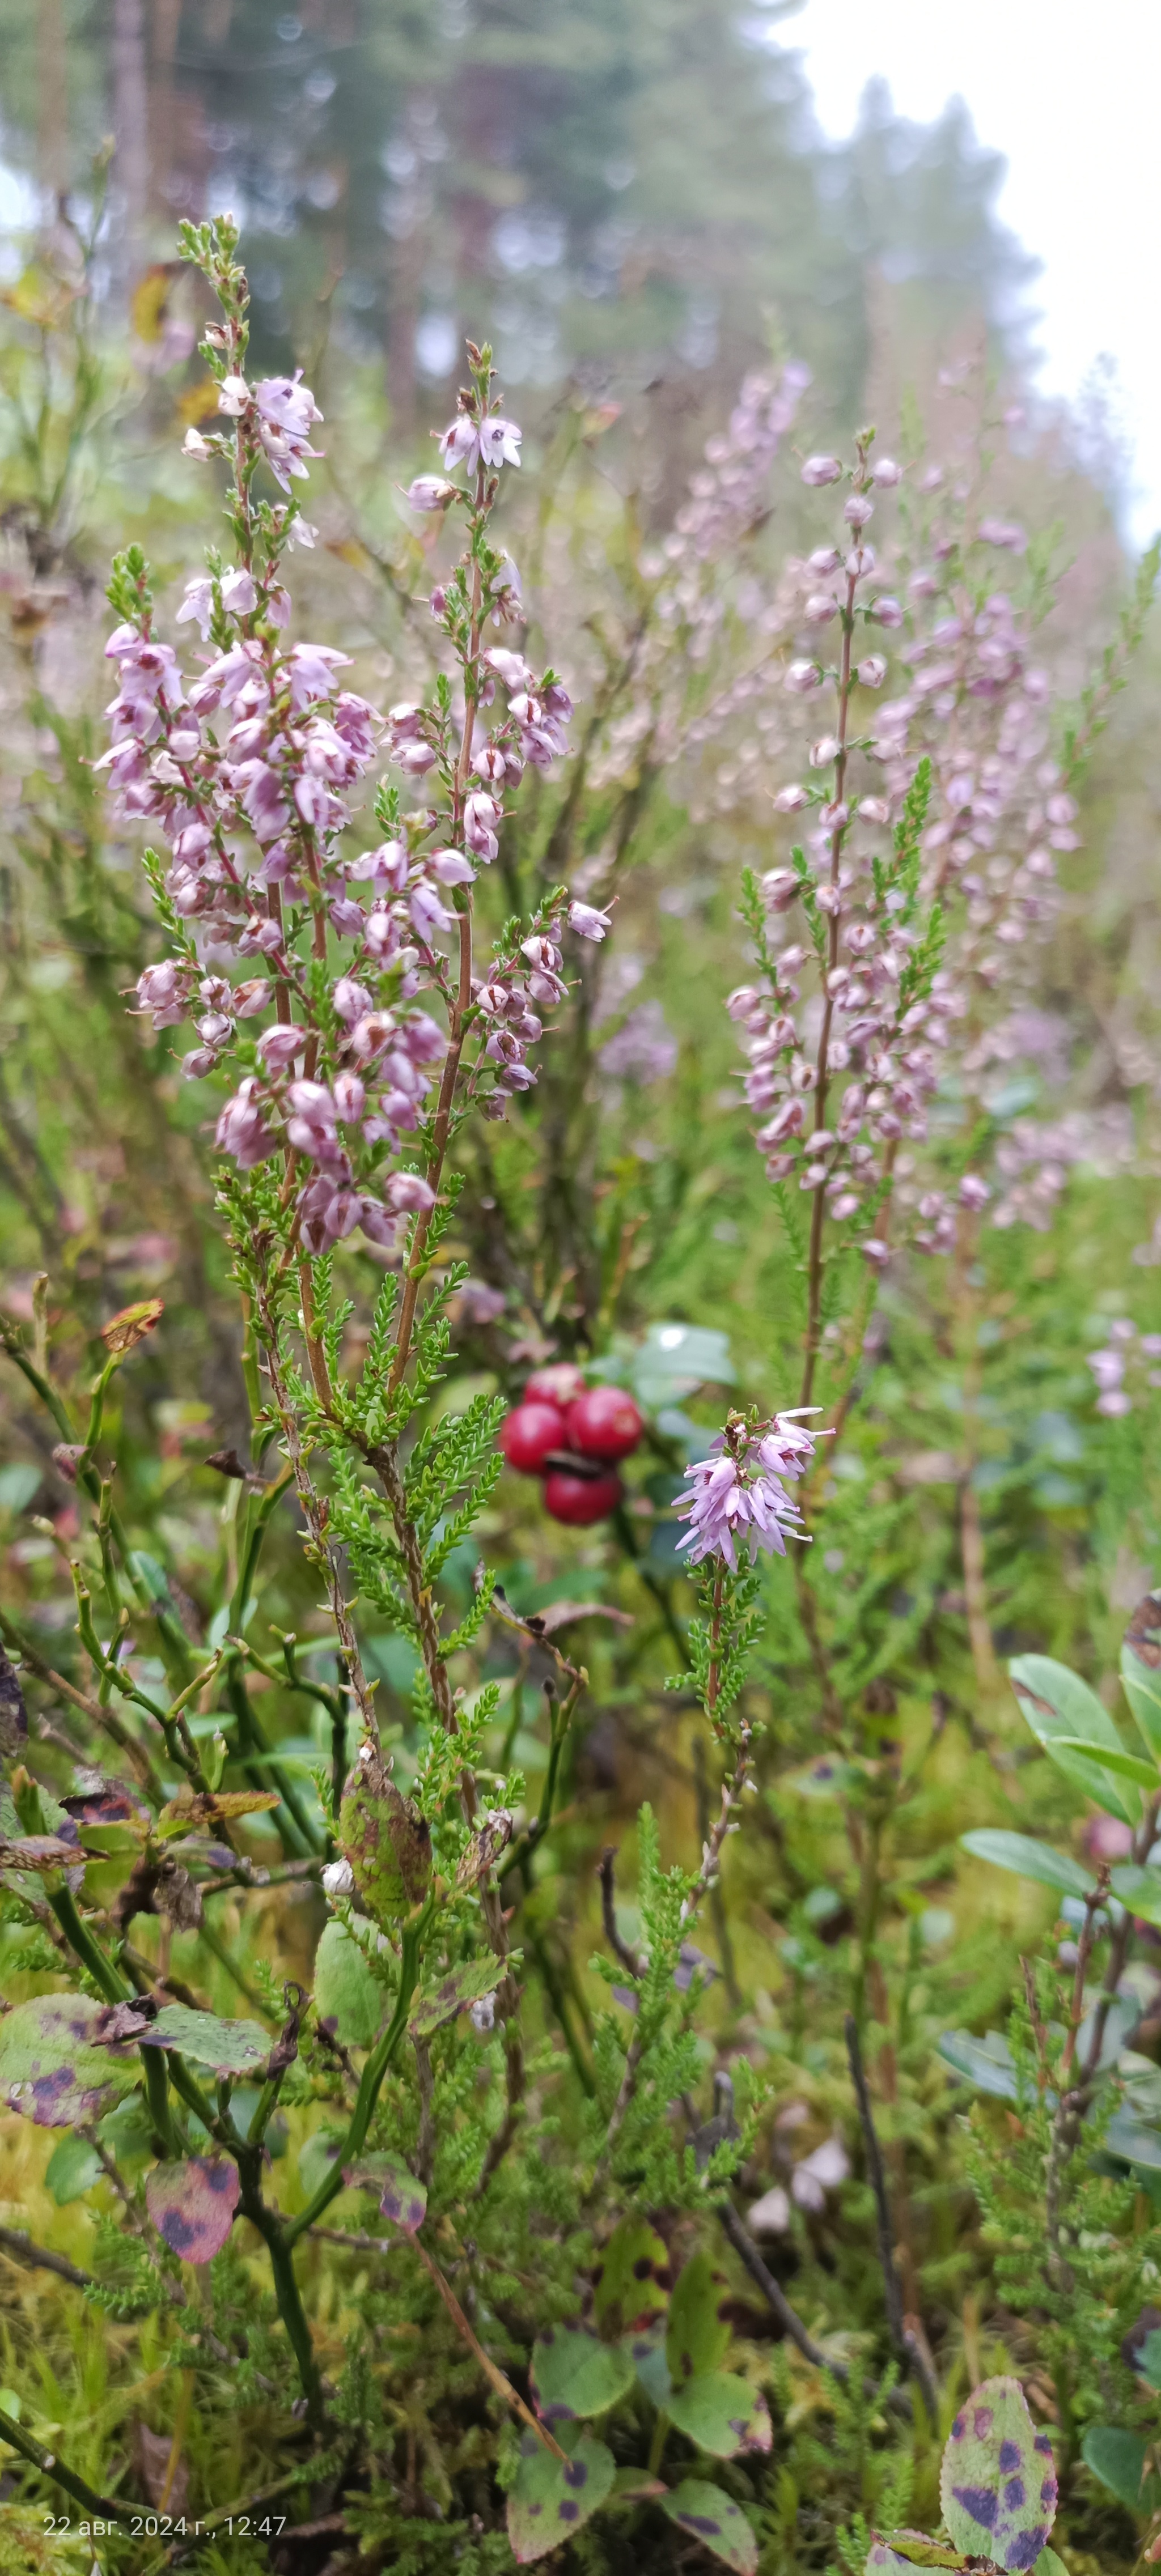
point(1139, 1890)
point(986, 2063)
point(51, 2068)
point(1142, 1688)
point(348, 1997)
point(1056, 1702)
point(997, 2483)
point(552, 2498)
point(1124, 1766)
point(714, 2519)
point(1117, 2457)
point(632, 2278)
point(722, 2414)
point(574, 2374)
point(1030, 1859)
point(1128, 2137)
point(698, 2336)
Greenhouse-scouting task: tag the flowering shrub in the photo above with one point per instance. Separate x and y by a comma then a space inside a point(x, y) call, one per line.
point(466, 2250)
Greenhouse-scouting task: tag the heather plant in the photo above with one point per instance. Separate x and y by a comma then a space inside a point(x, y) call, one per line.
point(424, 2237)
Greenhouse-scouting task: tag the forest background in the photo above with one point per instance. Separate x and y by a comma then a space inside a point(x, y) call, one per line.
point(633, 204)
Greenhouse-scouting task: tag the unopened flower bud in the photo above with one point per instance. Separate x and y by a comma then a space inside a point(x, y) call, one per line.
point(873, 671)
point(801, 677)
point(822, 469)
point(885, 472)
point(886, 611)
point(790, 800)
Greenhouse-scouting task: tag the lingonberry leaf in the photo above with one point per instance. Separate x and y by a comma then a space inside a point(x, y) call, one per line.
point(348, 1998)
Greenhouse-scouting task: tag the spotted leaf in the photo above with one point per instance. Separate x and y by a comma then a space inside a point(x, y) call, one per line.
point(192, 2205)
point(462, 1986)
point(401, 2198)
point(123, 1332)
point(633, 2278)
point(998, 2483)
point(385, 1839)
point(722, 2414)
point(51, 2068)
point(229, 2047)
point(552, 2498)
point(715, 2520)
point(698, 2336)
point(573, 2374)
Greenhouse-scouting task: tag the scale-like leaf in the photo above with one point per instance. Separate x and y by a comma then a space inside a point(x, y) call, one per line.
point(462, 1986)
point(632, 2278)
point(50, 2066)
point(998, 2484)
point(228, 2047)
point(192, 2205)
point(714, 2519)
point(698, 2336)
point(552, 2498)
point(722, 2414)
point(348, 1998)
point(1030, 1859)
point(574, 2374)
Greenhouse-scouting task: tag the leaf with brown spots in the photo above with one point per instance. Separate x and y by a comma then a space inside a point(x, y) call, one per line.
point(401, 2198)
point(713, 2518)
point(552, 2498)
point(461, 1987)
point(51, 2069)
point(123, 1332)
point(385, 1839)
point(632, 2279)
point(192, 2205)
point(13, 1714)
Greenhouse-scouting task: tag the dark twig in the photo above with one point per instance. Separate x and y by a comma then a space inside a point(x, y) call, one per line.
point(906, 2346)
point(37, 2258)
point(627, 1958)
point(788, 2318)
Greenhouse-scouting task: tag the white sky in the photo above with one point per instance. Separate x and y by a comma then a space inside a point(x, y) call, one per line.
point(1070, 96)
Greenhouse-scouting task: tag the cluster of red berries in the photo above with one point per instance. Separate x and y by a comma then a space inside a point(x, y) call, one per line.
point(572, 1435)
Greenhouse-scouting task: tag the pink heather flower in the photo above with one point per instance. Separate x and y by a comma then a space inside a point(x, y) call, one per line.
point(241, 1131)
point(193, 444)
point(428, 914)
point(790, 800)
point(801, 677)
point(587, 922)
point(451, 867)
point(233, 397)
point(287, 411)
point(822, 469)
point(490, 442)
point(311, 669)
point(886, 611)
point(858, 510)
point(161, 989)
point(885, 472)
point(279, 1045)
point(481, 814)
point(198, 602)
point(1002, 532)
point(408, 1191)
point(873, 671)
point(511, 668)
point(430, 492)
point(1114, 1403)
point(973, 1192)
point(739, 1491)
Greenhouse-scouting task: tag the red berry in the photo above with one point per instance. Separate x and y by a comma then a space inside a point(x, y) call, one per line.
point(560, 1384)
point(528, 1433)
point(580, 1500)
point(604, 1423)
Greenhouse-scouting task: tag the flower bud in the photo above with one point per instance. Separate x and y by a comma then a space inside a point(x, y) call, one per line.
point(873, 671)
point(801, 677)
point(790, 800)
point(885, 472)
point(886, 611)
point(822, 469)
